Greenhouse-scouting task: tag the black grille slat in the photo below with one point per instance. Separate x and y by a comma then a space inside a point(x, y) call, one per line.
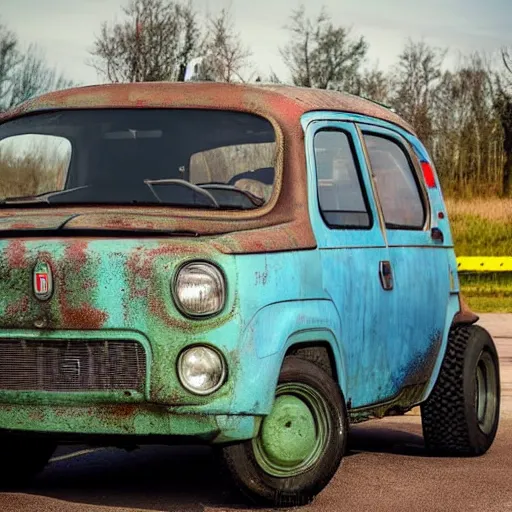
point(71, 365)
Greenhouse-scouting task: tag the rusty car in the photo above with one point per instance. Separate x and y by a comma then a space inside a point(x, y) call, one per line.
point(253, 267)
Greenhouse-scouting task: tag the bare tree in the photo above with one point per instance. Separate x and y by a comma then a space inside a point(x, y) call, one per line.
point(374, 84)
point(154, 42)
point(32, 76)
point(10, 58)
point(503, 105)
point(24, 73)
point(416, 79)
point(225, 56)
point(466, 130)
point(320, 54)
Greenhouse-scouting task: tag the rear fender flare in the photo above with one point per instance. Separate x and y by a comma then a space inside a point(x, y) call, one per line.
point(453, 317)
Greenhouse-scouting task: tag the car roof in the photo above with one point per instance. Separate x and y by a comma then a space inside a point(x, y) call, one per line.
point(283, 102)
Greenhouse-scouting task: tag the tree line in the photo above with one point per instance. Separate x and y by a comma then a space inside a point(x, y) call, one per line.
point(463, 114)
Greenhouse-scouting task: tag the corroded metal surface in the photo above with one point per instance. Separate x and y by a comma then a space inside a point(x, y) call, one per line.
point(290, 280)
point(278, 101)
point(286, 214)
point(283, 224)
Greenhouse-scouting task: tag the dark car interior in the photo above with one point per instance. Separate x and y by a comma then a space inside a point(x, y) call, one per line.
point(143, 156)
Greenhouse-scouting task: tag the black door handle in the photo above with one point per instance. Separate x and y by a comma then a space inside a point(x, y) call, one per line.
point(437, 235)
point(386, 275)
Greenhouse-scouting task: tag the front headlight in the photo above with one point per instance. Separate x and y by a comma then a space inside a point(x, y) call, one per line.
point(201, 370)
point(199, 289)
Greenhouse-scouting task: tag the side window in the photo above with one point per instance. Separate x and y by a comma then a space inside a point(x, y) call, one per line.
point(340, 190)
point(397, 187)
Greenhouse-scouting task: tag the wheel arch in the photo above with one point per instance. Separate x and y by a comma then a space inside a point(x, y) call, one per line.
point(321, 348)
point(458, 314)
point(309, 327)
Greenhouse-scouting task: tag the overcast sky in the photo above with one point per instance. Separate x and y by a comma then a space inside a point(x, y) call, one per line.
point(65, 29)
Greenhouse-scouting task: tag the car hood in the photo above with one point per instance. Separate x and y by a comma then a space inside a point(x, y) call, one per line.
point(110, 220)
point(226, 235)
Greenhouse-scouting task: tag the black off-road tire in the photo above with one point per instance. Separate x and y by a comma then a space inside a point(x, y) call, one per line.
point(264, 489)
point(451, 426)
point(22, 460)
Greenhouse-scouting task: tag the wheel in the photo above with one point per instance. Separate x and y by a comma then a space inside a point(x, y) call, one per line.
point(22, 459)
point(300, 444)
point(461, 416)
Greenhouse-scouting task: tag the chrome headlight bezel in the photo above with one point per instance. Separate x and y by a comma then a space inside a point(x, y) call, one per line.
point(184, 382)
point(211, 270)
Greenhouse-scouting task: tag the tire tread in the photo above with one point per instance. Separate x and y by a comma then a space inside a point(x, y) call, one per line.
point(446, 427)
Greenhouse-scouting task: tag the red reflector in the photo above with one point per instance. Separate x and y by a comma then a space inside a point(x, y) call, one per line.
point(428, 174)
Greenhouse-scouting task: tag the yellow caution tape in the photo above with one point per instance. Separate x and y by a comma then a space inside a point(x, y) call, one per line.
point(484, 264)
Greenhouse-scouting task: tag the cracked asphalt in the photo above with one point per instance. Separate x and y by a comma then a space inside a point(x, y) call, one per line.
point(386, 469)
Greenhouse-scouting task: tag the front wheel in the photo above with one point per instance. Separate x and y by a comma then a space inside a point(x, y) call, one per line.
point(300, 444)
point(461, 416)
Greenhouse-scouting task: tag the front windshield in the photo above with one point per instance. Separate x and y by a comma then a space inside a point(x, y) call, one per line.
point(179, 157)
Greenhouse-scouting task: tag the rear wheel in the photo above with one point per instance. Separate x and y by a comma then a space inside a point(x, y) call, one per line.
point(300, 444)
point(461, 416)
point(22, 459)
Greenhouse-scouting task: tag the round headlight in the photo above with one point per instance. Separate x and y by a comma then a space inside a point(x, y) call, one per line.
point(199, 290)
point(201, 370)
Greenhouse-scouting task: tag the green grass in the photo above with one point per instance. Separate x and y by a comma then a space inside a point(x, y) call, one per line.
point(488, 293)
point(483, 227)
point(477, 236)
point(489, 304)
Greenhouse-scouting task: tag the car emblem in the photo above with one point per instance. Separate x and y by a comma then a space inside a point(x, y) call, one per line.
point(43, 283)
point(70, 367)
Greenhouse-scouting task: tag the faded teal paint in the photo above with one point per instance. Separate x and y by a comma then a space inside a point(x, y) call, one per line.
point(347, 257)
point(121, 289)
point(131, 280)
point(392, 339)
point(113, 284)
point(128, 419)
point(435, 195)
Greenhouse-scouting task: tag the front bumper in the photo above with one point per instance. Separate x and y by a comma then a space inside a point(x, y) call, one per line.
point(126, 420)
point(162, 407)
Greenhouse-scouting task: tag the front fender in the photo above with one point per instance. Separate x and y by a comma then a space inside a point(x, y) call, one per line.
point(277, 327)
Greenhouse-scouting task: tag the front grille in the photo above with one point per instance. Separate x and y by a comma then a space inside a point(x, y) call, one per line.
point(71, 365)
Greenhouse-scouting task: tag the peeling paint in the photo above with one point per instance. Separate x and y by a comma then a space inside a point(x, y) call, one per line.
point(290, 280)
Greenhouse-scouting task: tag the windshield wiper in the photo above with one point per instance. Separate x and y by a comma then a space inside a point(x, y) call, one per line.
point(39, 198)
point(187, 184)
point(255, 200)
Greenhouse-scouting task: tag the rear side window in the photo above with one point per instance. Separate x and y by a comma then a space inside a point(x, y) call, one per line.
point(397, 186)
point(340, 190)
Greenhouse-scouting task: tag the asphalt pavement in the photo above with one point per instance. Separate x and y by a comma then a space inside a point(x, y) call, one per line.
point(386, 469)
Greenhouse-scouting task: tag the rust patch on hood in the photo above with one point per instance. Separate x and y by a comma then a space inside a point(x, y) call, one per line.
point(18, 308)
point(77, 313)
point(83, 317)
point(16, 254)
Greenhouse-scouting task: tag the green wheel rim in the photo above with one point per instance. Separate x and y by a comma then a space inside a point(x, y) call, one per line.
point(294, 436)
point(486, 392)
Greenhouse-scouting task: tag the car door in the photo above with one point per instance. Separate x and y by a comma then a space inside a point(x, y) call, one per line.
point(418, 260)
point(353, 255)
